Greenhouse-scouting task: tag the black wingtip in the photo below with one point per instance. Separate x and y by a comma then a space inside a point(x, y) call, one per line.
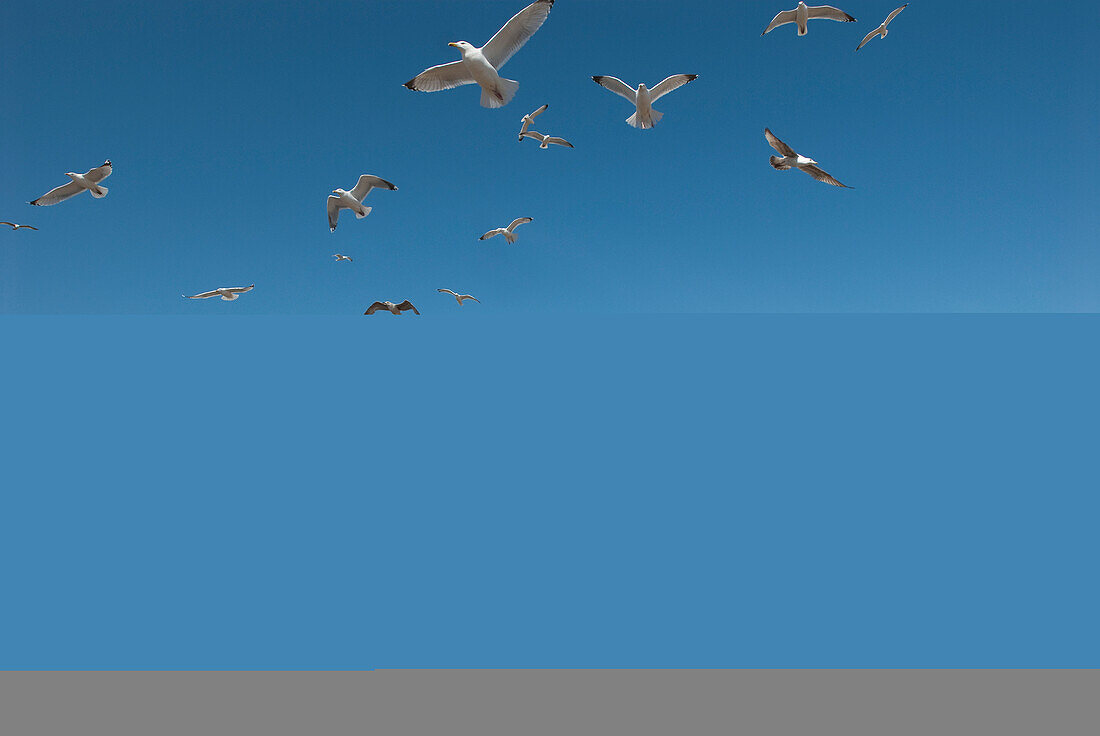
point(409, 84)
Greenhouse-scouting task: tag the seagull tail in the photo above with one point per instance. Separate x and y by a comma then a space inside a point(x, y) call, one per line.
point(510, 237)
point(645, 122)
point(501, 95)
point(99, 192)
point(364, 213)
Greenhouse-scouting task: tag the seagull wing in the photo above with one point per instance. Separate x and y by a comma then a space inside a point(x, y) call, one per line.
point(8, 223)
point(446, 291)
point(100, 173)
point(407, 305)
point(366, 183)
point(894, 14)
point(828, 12)
point(375, 307)
point(533, 134)
point(820, 175)
point(778, 145)
point(58, 194)
point(867, 38)
point(536, 113)
point(619, 87)
point(333, 206)
point(492, 233)
point(559, 142)
point(27, 227)
point(204, 295)
point(443, 76)
point(674, 82)
point(781, 19)
point(516, 32)
point(240, 289)
point(517, 222)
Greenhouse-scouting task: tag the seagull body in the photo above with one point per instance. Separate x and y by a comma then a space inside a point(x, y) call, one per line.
point(805, 13)
point(644, 116)
point(341, 257)
point(353, 200)
point(15, 226)
point(480, 65)
point(792, 160)
point(77, 184)
point(545, 140)
point(507, 232)
point(530, 118)
point(227, 293)
point(392, 308)
point(881, 30)
point(458, 297)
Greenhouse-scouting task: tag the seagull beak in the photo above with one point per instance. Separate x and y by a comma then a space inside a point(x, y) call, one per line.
point(452, 43)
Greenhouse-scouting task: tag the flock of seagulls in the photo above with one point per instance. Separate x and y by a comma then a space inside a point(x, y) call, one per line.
point(481, 66)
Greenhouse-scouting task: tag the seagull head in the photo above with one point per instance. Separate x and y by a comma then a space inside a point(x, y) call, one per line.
point(462, 46)
point(338, 192)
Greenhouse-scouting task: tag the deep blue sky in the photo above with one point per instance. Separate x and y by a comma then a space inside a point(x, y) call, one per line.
point(229, 123)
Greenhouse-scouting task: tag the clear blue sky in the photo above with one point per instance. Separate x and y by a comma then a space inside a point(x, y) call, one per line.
point(229, 123)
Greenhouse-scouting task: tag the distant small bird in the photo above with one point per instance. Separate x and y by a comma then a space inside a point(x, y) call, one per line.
point(18, 227)
point(227, 293)
point(530, 118)
point(392, 308)
point(881, 30)
point(80, 182)
point(804, 13)
point(353, 200)
point(479, 65)
point(507, 232)
point(545, 140)
point(458, 297)
point(644, 116)
point(791, 160)
point(341, 257)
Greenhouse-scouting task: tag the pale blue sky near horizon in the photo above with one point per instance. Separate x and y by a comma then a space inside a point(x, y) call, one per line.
point(228, 123)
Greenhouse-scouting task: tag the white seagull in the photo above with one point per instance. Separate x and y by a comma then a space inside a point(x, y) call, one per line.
point(545, 140)
point(353, 200)
point(643, 98)
point(804, 13)
point(80, 182)
point(881, 30)
point(458, 297)
point(507, 232)
point(227, 293)
point(341, 257)
point(530, 118)
point(392, 308)
point(480, 65)
point(791, 160)
point(15, 226)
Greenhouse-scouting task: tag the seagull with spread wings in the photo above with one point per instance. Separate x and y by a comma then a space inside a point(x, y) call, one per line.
point(15, 226)
point(507, 232)
point(458, 297)
point(803, 14)
point(530, 118)
point(881, 30)
point(392, 308)
point(791, 160)
point(80, 183)
point(353, 200)
point(227, 293)
point(644, 116)
point(481, 65)
point(545, 140)
point(341, 257)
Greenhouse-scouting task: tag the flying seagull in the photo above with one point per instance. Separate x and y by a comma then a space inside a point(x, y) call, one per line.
point(353, 200)
point(392, 308)
point(458, 297)
point(545, 140)
point(881, 30)
point(80, 182)
point(530, 118)
point(790, 159)
point(507, 232)
point(803, 14)
point(642, 98)
point(480, 65)
point(15, 226)
point(227, 293)
point(341, 257)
